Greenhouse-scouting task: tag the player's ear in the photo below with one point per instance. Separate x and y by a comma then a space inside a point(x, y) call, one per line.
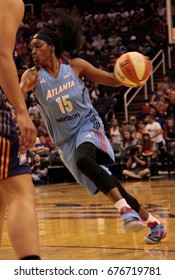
point(52, 48)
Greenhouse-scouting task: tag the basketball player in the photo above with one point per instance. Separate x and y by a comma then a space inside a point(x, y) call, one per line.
point(73, 123)
point(16, 187)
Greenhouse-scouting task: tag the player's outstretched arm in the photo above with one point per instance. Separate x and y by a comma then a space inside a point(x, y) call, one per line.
point(84, 69)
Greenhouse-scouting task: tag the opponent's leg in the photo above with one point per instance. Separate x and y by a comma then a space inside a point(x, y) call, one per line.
point(21, 218)
point(3, 206)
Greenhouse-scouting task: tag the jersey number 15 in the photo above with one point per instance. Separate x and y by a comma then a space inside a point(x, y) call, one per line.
point(64, 104)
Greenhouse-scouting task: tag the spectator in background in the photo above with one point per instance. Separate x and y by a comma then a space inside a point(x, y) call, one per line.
point(50, 142)
point(123, 12)
point(42, 130)
point(170, 111)
point(106, 49)
point(114, 38)
point(117, 22)
point(39, 169)
point(161, 9)
point(169, 134)
point(166, 83)
point(137, 166)
point(124, 27)
point(136, 9)
point(125, 125)
point(56, 4)
point(21, 45)
point(99, 16)
point(135, 133)
point(104, 25)
point(36, 120)
point(133, 45)
point(46, 9)
point(148, 46)
point(137, 24)
point(111, 64)
point(141, 127)
point(87, 17)
point(145, 109)
point(111, 14)
point(169, 129)
point(33, 109)
point(160, 107)
point(127, 143)
point(147, 145)
point(98, 43)
point(155, 131)
point(95, 93)
point(160, 119)
point(133, 120)
point(119, 49)
point(171, 93)
point(89, 50)
point(156, 134)
point(115, 132)
point(40, 23)
point(158, 93)
point(41, 147)
point(159, 33)
point(75, 10)
point(23, 58)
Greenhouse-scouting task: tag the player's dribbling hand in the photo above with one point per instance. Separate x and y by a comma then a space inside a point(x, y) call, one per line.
point(27, 130)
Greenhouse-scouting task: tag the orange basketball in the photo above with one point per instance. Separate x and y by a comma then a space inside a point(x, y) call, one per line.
point(132, 69)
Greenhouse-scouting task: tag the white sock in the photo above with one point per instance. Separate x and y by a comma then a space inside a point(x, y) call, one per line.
point(152, 219)
point(121, 203)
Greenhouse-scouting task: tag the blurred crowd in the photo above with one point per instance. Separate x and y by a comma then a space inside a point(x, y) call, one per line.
point(110, 28)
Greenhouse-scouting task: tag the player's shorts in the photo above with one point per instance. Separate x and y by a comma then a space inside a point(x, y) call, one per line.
point(12, 161)
point(67, 153)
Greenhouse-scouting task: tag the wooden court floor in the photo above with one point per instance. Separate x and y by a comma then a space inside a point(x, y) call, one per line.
point(74, 225)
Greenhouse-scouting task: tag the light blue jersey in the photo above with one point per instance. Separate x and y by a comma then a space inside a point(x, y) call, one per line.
point(65, 106)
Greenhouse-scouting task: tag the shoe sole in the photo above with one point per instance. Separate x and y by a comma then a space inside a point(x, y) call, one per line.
point(149, 241)
point(134, 226)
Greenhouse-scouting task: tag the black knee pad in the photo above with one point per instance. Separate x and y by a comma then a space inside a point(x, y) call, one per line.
point(86, 163)
point(95, 173)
